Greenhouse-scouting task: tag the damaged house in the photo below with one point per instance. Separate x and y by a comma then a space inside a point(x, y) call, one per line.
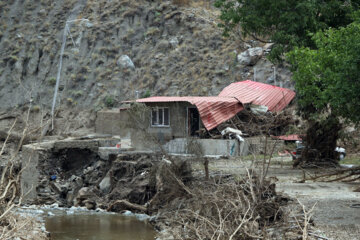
point(174, 121)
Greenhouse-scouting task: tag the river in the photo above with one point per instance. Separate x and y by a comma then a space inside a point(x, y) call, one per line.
point(98, 227)
point(81, 224)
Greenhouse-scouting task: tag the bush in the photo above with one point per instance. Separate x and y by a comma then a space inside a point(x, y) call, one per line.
point(109, 101)
point(146, 94)
point(52, 81)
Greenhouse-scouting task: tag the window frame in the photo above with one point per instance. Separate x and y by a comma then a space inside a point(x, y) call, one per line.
point(157, 116)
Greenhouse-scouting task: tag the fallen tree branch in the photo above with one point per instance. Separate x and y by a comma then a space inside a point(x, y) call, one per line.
point(126, 205)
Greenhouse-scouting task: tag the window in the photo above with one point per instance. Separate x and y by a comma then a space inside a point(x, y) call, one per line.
point(160, 117)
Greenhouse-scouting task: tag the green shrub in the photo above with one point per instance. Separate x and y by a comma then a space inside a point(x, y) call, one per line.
point(109, 101)
point(52, 81)
point(77, 93)
point(146, 94)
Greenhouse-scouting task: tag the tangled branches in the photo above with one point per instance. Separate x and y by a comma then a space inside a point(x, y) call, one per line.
point(344, 175)
point(256, 124)
point(228, 210)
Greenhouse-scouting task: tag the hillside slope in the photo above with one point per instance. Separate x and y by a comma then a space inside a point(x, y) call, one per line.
point(115, 50)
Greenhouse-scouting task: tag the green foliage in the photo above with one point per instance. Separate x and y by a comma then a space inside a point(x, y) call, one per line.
point(109, 101)
point(288, 23)
point(78, 93)
point(52, 81)
point(14, 59)
point(327, 79)
point(147, 94)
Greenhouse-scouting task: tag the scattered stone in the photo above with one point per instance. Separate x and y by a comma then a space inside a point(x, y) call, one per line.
point(50, 214)
point(268, 46)
point(125, 62)
point(250, 56)
point(90, 204)
point(174, 42)
point(105, 184)
point(163, 45)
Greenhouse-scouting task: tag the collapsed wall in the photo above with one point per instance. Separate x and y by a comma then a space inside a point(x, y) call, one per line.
point(78, 173)
point(47, 164)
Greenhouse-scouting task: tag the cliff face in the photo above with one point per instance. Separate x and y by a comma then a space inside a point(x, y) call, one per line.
point(114, 51)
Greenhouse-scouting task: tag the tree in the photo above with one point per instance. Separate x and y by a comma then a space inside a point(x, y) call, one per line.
point(327, 83)
point(288, 23)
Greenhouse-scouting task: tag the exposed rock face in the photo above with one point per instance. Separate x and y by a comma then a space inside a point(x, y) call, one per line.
point(176, 51)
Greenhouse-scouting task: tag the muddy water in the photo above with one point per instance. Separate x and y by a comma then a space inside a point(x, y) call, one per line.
point(98, 227)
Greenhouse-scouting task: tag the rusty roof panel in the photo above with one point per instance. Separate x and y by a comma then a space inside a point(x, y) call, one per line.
point(275, 98)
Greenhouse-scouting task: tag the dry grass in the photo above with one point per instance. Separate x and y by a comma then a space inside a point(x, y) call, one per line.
point(194, 3)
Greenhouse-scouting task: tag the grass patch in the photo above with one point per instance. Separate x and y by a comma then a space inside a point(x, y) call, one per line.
point(351, 159)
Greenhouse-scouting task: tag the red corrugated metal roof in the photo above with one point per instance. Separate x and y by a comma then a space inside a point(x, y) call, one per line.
point(292, 137)
point(213, 110)
point(275, 98)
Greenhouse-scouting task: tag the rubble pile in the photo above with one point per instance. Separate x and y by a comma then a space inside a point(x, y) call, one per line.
point(79, 177)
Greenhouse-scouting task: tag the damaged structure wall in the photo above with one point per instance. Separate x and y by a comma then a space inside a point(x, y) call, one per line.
point(177, 128)
point(63, 159)
point(108, 122)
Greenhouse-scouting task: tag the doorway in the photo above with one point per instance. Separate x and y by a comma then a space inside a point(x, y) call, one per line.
point(193, 122)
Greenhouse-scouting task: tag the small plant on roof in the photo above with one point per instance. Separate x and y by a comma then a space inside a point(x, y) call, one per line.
point(109, 101)
point(146, 94)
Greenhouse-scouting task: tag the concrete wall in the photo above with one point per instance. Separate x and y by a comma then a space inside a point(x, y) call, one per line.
point(30, 176)
point(224, 147)
point(256, 145)
point(111, 122)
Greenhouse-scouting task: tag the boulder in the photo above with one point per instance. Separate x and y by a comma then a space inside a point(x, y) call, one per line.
point(174, 42)
point(105, 184)
point(125, 62)
point(85, 193)
point(90, 204)
point(250, 56)
point(163, 45)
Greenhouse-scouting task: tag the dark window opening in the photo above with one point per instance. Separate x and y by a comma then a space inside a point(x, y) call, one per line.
point(160, 117)
point(193, 122)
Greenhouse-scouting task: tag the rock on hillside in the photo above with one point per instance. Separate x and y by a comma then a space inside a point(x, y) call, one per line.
point(121, 47)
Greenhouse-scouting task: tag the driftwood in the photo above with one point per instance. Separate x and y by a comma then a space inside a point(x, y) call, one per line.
point(344, 175)
point(126, 205)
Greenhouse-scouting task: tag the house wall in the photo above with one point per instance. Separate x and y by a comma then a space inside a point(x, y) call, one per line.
point(177, 127)
point(178, 121)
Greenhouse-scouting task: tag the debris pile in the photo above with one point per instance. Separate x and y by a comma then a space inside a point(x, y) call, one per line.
point(184, 204)
point(253, 124)
point(225, 209)
point(344, 175)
